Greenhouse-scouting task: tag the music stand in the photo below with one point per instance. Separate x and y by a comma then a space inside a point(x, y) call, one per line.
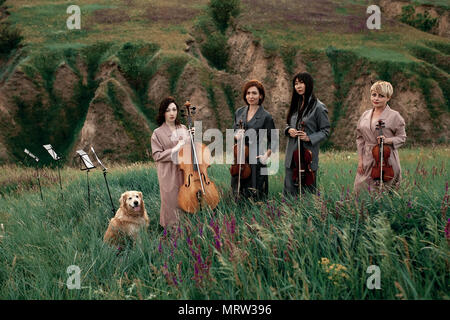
point(37, 170)
point(55, 157)
point(106, 181)
point(86, 165)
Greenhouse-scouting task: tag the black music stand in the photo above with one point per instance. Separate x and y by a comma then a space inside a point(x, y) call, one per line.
point(55, 157)
point(37, 170)
point(86, 165)
point(106, 181)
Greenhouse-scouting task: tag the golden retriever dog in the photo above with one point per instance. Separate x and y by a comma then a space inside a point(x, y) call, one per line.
point(129, 218)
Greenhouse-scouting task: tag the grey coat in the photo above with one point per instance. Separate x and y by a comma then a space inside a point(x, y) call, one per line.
point(257, 185)
point(317, 127)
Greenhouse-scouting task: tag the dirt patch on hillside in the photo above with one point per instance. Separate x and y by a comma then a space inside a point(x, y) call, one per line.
point(111, 141)
point(169, 14)
point(393, 9)
point(247, 57)
point(65, 82)
point(110, 16)
point(20, 85)
point(190, 87)
point(322, 15)
point(158, 88)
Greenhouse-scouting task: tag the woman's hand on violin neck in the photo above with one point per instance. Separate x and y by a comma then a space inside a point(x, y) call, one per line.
point(297, 133)
point(292, 132)
point(303, 136)
point(385, 140)
point(239, 134)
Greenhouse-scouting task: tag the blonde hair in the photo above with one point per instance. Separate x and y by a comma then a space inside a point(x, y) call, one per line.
point(383, 87)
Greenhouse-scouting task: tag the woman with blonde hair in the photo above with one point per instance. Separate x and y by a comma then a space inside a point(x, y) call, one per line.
point(367, 137)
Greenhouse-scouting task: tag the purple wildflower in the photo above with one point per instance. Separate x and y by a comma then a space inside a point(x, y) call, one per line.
point(217, 243)
point(196, 270)
point(409, 204)
point(160, 247)
point(233, 225)
point(447, 230)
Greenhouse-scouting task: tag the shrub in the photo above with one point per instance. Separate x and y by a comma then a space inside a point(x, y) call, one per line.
point(10, 38)
point(420, 21)
point(175, 68)
point(222, 10)
point(215, 49)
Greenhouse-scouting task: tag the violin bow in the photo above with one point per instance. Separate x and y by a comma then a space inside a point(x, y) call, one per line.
point(194, 152)
point(380, 132)
point(380, 127)
point(240, 159)
point(299, 167)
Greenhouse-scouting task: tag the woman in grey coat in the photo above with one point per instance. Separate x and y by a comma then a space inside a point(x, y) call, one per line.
point(257, 134)
point(314, 114)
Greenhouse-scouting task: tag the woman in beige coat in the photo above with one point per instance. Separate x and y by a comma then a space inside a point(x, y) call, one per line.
point(367, 137)
point(167, 140)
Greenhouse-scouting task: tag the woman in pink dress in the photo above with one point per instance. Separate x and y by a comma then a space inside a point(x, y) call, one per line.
point(167, 140)
point(367, 137)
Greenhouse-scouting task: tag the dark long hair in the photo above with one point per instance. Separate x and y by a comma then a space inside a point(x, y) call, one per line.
point(296, 100)
point(160, 118)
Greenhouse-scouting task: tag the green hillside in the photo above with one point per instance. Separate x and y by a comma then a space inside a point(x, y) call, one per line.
point(148, 39)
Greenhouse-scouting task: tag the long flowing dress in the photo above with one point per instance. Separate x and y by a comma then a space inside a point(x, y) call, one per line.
point(366, 139)
point(257, 185)
point(170, 177)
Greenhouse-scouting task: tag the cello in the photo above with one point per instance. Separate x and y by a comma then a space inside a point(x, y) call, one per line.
point(241, 167)
point(302, 158)
point(197, 189)
point(382, 170)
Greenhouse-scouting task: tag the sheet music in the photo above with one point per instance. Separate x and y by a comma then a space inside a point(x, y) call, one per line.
point(85, 157)
point(51, 151)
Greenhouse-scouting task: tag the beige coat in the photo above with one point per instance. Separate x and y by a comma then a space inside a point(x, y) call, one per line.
point(366, 139)
point(170, 177)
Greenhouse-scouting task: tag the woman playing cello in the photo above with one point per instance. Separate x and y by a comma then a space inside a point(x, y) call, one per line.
point(166, 141)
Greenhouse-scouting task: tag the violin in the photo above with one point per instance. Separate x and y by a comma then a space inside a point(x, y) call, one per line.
point(197, 189)
point(241, 167)
point(302, 158)
point(382, 170)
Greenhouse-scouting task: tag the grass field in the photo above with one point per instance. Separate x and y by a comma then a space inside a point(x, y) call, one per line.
point(317, 248)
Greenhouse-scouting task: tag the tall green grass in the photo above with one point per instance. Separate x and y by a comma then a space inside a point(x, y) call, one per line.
point(243, 250)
